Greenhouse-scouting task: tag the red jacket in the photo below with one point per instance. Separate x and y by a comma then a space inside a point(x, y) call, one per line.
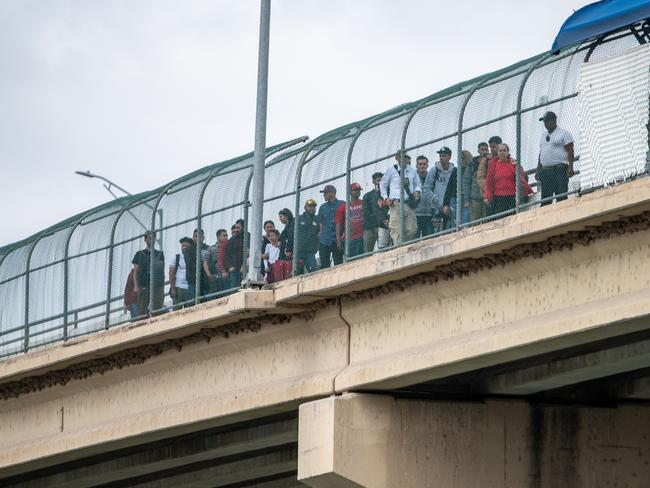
point(500, 180)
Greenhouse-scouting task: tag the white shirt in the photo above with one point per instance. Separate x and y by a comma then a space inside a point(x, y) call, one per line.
point(553, 151)
point(391, 182)
point(181, 272)
point(274, 254)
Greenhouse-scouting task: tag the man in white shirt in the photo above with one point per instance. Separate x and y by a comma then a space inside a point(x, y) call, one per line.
point(555, 162)
point(178, 284)
point(390, 189)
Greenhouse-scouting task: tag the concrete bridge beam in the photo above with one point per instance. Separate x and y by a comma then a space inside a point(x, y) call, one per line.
point(572, 370)
point(377, 441)
point(635, 388)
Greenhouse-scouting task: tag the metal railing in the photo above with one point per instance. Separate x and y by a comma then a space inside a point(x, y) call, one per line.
point(67, 280)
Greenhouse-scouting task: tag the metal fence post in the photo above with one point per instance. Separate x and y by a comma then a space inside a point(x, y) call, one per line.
point(111, 252)
point(520, 96)
point(459, 185)
point(27, 265)
point(154, 212)
point(297, 186)
point(66, 279)
point(348, 173)
point(407, 124)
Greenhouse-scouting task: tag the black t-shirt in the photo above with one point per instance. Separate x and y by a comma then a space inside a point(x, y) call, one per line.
point(142, 259)
point(373, 214)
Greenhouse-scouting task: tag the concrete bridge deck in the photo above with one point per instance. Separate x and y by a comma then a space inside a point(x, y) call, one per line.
point(539, 320)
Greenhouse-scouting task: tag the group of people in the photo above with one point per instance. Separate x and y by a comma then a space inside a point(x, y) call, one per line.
point(220, 269)
point(426, 197)
point(488, 182)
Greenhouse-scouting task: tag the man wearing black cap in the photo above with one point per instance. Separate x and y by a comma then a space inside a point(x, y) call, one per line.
point(327, 249)
point(555, 162)
point(440, 190)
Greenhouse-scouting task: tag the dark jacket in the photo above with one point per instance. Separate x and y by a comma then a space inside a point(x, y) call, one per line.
point(373, 214)
point(308, 228)
point(286, 239)
point(235, 253)
point(450, 192)
point(471, 188)
point(190, 265)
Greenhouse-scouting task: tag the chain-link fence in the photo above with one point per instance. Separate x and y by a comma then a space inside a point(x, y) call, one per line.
point(474, 152)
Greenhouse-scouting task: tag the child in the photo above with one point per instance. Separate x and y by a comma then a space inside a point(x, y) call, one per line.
point(271, 254)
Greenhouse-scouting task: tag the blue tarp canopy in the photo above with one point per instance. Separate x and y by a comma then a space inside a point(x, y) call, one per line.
point(600, 18)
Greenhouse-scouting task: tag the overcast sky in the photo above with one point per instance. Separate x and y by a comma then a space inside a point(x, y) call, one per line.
point(144, 91)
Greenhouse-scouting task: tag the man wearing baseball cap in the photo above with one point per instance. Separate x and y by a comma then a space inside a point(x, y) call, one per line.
point(327, 249)
point(375, 218)
point(555, 160)
point(356, 222)
point(440, 190)
point(308, 230)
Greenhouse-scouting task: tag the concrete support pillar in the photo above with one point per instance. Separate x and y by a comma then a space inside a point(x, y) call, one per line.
point(375, 441)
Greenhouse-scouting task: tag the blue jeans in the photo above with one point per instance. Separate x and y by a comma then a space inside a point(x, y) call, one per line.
point(235, 279)
point(449, 221)
point(191, 291)
point(465, 216)
point(133, 310)
point(310, 262)
point(356, 247)
point(425, 226)
point(329, 252)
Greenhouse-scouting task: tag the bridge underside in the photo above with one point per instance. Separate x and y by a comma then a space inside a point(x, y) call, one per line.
point(261, 452)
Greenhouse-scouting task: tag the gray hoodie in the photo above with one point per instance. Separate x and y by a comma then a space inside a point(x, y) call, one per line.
point(424, 207)
point(435, 186)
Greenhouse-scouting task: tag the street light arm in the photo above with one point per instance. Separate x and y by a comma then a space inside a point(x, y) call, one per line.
point(88, 174)
point(108, 189)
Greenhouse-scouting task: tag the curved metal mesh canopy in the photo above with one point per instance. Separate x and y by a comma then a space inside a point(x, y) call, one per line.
point(600, 18)
point(69, 279)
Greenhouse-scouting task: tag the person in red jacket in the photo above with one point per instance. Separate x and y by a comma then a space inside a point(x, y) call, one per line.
point(500, 184)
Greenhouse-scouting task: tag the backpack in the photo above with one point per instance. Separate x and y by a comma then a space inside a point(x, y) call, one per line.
point(411, 201)
point(129, 294)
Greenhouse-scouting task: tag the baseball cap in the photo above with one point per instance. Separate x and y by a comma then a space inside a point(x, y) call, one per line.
point(444, 150)
point(548, 116)
point(355, 186)
point(309, 202)
point(328, 188)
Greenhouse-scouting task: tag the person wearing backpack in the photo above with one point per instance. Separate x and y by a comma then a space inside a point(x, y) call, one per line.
point(213, 265)
point(391, 191)
point(440, 191)
point(178, 283)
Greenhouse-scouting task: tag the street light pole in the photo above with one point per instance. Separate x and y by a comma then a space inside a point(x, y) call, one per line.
point(259, 156)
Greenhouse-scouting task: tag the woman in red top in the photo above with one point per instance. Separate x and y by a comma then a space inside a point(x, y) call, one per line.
point(500, 184)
